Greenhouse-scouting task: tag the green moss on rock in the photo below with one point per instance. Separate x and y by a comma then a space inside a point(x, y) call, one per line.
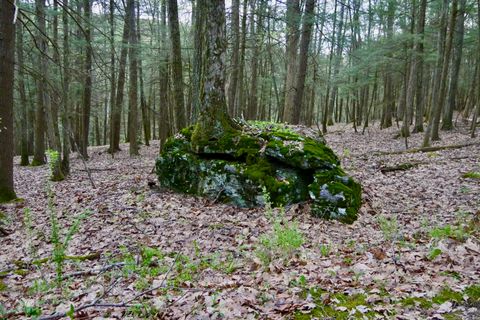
point(235, 166)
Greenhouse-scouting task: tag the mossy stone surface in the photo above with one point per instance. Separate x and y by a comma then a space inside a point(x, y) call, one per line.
point(235, 167)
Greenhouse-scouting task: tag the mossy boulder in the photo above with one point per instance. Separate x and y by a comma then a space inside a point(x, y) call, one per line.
point(237, 166)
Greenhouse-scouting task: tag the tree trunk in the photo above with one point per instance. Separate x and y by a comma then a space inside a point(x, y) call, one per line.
point(7, 49)
point(117, 107)
point(389, 97)
point(214, 119)
point(111, 18)
point(143, 101)
point(252, 108)
point(232, 89)
point(442, 68)
point(420, 99)
point(24, 161)
point(180, 118)
point(306, 35)
point(240, 103)
point(87, 89)
point(133, 81)
point(293, 21)
point(457, 59)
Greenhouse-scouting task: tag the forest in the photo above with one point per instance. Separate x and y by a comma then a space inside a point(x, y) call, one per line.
point(255, 159)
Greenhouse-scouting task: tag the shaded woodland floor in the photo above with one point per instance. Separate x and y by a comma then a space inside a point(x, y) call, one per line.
point(413, 253)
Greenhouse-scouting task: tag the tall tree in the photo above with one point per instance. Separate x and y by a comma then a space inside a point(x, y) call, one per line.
point(39, 136)
point(133, 81)
point(293, 21)
point(443, 62)
point(232, 89)
point(419, 96)
point(115, 120)
point(177, 73)
point(456, 63)
point(214, 119)
point(306, 35)
point(24, 161)
point(87, 89)
point(7, 49)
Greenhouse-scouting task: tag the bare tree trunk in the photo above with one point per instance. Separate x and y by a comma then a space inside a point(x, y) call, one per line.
point(180, 118)
point(7, 49)
point(111, 19)
point(232, 90)
point(143, 102)
point(306, 35)
point(457, 59)
point(389, 98)
point(420, 99)
point(117, 106)
point(240, 100)
point(66, 120)
point(24, 161)
point(133, 80)
point(87, 89)
point(39, 152)
point(293, 21)
point(214, 119)
point(252, 108)
point(442, 67)
point(476, 113)
point(163, 124)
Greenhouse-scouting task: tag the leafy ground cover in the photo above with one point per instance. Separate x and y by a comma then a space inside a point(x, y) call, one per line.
point(128, 249)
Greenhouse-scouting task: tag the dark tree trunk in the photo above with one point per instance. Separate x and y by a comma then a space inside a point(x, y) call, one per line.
point(133, 81)
point(214, 119)
point(293, 21)
point(24, 161)
point(7, 49)
point(117, 107)
point(180, 118)
point(306, 35)
point(457, 59)
point(87, 89)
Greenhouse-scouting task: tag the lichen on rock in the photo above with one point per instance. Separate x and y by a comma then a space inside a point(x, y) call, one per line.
point(236, 166)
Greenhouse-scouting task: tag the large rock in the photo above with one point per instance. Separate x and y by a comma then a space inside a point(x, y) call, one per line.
point(236, 167)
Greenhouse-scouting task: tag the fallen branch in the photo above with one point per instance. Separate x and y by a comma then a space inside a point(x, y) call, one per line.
point(401, 167)
point(425, 149)
point(93, 272)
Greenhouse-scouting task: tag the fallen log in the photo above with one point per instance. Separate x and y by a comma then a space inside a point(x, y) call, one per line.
point(424, 149)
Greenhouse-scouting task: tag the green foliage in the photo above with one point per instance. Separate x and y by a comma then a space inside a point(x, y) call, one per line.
point(449, 231)
point(471, 175)
point(325, 250)
point(434, 253)
point(281, 243)
point(389, 227)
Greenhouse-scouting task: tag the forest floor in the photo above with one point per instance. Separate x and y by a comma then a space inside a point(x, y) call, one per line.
point(125, 249)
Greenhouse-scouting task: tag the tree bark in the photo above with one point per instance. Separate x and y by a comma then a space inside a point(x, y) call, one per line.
point(232, 89)
point(420, 99)
point(7, 49)
point(24, 161)
point(133, 81)
point(214, 119)
point(87, 89)
point(442, 68)
point(117, 107)
point(293, 21)
point(180, 117)
point(457, 59)
point(306, 35)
